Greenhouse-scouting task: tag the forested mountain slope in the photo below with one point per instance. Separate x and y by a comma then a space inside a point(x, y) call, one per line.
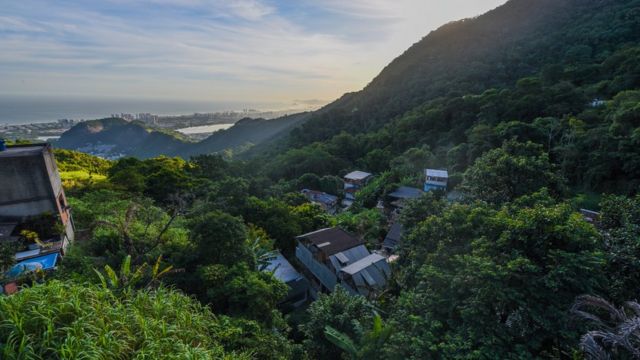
point(563, 74)
point(472, 55)
point(244, 134)
point(117, 137)
point(122, 137)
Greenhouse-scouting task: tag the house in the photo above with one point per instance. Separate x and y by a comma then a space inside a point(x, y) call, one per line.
point(393, 238)
point(298, 284)
point(33, 202)
point(325, 253)
point(403, 194)
point(590, 215)
point(597, 102)
point(353, 182)
point(365, 276)
point(436, 179)
point(328, 202)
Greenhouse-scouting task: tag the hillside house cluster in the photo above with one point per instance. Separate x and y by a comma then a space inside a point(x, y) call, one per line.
point(332, 257)
point(35, 218)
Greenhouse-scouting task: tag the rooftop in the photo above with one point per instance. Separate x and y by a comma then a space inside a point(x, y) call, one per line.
point(320, 196)
point(357, 175)
point(437, 173)
point(22, 150)
point(405, 192)
point(348, 257)
point(331, 240)
point(393, 236)
point(284, 271)
point(362, 264)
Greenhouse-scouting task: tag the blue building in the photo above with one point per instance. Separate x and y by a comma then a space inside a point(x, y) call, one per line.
point(436, 179)
point(353, 182)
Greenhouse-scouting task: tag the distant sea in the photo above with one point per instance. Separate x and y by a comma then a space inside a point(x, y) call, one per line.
point(35, 109)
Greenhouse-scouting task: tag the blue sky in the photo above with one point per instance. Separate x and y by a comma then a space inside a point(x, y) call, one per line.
point(258, 50)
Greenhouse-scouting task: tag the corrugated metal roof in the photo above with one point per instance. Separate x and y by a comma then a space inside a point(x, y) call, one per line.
point(361, 264)
point(368, 273)
point(331, 240)
point(437, 173)
point(393, 236)
point(320, 197)
point(354, 254)
point(284, 271)
point(357, 175)
point(405, 192)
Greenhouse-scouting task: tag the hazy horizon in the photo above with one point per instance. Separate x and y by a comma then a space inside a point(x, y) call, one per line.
point(254, 51)
point(19, 109)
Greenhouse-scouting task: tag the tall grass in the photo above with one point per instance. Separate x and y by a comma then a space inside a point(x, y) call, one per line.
point(60, 320)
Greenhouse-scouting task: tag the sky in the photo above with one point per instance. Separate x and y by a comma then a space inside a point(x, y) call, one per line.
point(307, 51)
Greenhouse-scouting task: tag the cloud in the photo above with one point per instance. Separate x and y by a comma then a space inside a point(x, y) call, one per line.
point(203, 49)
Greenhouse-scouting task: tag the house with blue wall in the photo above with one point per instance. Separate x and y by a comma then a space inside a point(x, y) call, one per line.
point(435, 179)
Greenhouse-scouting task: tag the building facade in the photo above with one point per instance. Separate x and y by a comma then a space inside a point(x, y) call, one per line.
point(353, 182)
point(436, 179)
point(32, 199)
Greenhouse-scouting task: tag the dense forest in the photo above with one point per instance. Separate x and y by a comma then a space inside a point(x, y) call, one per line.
point(534, 109)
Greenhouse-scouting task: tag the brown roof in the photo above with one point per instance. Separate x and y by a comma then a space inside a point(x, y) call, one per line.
point(331, 240)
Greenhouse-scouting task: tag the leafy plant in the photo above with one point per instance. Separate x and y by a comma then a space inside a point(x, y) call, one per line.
point(368, 345)
point(618, 333)
point(129, 278)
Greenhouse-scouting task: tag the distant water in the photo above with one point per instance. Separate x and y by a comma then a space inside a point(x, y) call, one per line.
point(28, 109)
point(204, 129)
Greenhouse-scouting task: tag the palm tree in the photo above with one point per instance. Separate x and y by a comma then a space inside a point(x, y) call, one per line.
point(369, 345)
point(618, 334)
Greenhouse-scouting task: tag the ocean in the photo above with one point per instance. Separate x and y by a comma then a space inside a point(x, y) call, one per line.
point(37, 109)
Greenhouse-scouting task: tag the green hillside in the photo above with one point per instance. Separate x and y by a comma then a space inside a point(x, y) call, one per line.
point(533, 108)
point(117, 137)
point(563, 74)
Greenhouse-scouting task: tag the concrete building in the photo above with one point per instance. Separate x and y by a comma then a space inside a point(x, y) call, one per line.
point(436, 179)
point(353, 182)
point(32, 198)
point(326, 253)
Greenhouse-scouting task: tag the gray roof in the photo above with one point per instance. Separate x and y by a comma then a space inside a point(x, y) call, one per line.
point(331, 240)
point(437, 173)
point(406, 192)
point(369, 272)
point(393, 236)
point(320, 196)
point(23, 150)
point(351, 255)
point(284, 271)
point(357, 175)
point(362, 264)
